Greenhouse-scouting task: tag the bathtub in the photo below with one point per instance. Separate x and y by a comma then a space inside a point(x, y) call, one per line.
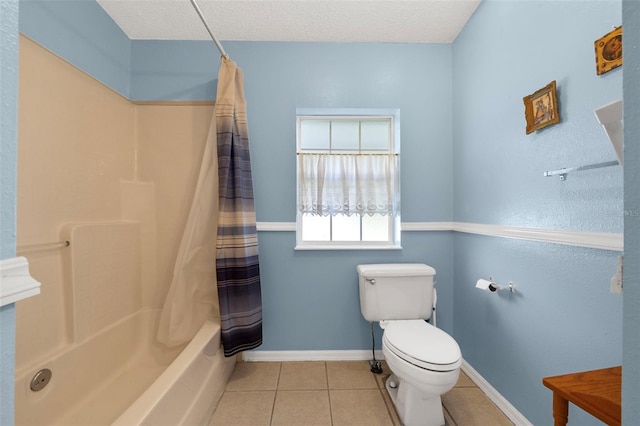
point(122, 376)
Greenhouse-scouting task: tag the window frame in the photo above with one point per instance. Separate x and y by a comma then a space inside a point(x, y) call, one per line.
point(352, 114)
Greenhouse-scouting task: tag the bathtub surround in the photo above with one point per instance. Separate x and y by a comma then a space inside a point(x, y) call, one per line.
point(138, 204)
point(104, 288)
point(193, 296)
point(104, 275)
point(237, 260)
point(497, 172)
point(71, 160)
point(78, 166)
point(158, 127)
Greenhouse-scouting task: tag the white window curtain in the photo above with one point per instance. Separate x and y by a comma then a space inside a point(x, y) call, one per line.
point(331, 184)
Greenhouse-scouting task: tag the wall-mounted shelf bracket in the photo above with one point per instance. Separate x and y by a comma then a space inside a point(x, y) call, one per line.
point(564, 172)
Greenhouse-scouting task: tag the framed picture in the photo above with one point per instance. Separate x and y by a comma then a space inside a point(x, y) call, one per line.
point(541, 108)
point(609, 51)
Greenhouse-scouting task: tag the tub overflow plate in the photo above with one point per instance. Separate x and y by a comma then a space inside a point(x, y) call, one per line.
point(41, 379)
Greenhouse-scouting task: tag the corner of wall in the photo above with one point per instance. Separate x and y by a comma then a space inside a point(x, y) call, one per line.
point(82, 33)
point(8, 152)
point(631, 338)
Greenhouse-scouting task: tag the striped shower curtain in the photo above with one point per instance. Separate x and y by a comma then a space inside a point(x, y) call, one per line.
point(237, 266)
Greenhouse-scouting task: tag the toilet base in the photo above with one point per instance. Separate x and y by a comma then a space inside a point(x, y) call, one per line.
point(414, 407)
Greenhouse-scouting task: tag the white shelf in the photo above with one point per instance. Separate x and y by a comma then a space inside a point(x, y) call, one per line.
point(15, 281)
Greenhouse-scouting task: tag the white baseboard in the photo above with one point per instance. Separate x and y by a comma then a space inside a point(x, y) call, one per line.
point(356, 355)
point(501, 402)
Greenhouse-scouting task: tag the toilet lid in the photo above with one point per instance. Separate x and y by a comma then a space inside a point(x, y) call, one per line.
point(422, 344)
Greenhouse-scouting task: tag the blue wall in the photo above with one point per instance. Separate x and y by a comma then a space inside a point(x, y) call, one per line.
point(310, 299)
point(562, 317)
point(631, 363)
point(84, 34)
point(461, 109)
point(8, 149)
point(173, 70)
point(504, 54)
point(280, 77)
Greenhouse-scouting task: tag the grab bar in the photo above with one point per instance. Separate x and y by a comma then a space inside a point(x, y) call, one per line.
point(30, 248)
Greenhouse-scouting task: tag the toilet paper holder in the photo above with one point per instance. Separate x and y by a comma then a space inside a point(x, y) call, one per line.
point(491, 286)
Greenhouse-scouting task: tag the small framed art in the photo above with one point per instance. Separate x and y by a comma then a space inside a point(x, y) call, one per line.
point(541, 108)
point(609, 51)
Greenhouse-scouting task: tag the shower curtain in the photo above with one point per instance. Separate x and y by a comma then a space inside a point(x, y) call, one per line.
point(237, 266)
point(192, 295)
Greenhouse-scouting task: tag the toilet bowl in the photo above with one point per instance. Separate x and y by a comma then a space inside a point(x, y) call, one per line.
point(424, 360)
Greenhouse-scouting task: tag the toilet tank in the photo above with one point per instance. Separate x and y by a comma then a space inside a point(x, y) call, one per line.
point(396, 291)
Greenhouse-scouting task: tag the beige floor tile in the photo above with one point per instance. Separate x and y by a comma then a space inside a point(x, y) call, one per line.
point(448, 420)
point(254, 376)
point(471, 407)
point(381, 379)
point(251, 408)
point(303, 376)
point(350, 375)
point(295, 408)
point(464, 381)
point(355, 397)
point(359, 407)
point(390, 407)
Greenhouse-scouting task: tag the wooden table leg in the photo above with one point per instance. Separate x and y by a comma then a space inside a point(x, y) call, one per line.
point(560, 410)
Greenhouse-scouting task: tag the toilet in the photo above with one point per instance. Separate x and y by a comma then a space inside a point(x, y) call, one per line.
point(424, 360)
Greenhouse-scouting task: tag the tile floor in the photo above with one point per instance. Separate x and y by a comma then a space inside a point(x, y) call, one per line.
point(333, 393)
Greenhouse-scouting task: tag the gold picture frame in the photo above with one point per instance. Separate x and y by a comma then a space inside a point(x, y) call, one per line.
point(609, 51)
point(541, 108)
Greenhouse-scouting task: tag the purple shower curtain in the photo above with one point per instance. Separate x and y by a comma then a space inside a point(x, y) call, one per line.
point(237, 265)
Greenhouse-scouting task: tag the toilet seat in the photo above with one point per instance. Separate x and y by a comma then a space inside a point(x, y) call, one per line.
point(421, 344)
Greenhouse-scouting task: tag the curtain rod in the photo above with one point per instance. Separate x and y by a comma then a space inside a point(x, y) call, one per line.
point(224, 56)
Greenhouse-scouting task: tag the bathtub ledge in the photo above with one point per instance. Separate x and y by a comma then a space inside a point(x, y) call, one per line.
point(15, 281)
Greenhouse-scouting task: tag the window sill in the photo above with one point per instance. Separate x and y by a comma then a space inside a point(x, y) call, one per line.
point(346, 247)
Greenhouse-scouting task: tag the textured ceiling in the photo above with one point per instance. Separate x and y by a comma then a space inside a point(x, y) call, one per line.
point(403, 21)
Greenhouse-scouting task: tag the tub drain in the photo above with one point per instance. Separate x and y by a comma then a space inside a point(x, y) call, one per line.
point(41, 379)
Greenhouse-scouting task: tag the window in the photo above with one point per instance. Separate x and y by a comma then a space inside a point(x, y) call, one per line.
point(348, 179)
